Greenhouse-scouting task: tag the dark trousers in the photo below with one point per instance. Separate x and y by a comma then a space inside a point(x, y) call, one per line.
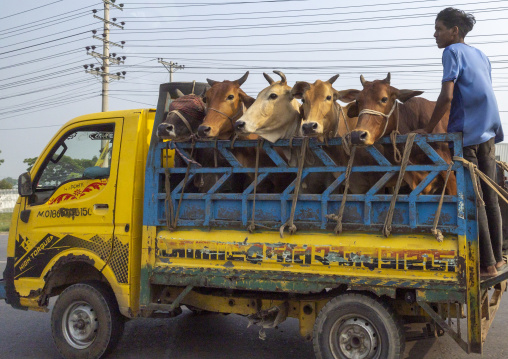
point(489, 217)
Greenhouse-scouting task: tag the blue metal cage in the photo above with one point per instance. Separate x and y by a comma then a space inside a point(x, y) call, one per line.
point(413, 212)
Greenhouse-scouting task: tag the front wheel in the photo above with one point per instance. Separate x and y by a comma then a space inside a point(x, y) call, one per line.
point(358, 326)
point(86, 322)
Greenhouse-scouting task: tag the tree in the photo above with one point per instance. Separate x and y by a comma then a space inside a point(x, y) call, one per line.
point(65, 169)
point(1, 160)
point(5, 184)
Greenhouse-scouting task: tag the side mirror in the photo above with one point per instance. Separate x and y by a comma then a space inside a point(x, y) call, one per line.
point(25, 185)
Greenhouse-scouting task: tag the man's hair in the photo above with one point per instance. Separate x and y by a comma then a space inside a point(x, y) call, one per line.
point(454, 17)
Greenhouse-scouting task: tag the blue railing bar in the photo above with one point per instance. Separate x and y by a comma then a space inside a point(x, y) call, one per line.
point(313, 197)
point(438, 137)
point(409, 168)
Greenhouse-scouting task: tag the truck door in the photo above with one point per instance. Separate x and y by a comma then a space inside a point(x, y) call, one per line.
point(72, 209)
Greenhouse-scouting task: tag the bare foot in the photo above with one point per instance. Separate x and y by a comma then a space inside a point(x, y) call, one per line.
point(500, 265)
point(489, 271)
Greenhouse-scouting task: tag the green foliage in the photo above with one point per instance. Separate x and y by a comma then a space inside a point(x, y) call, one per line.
point(30, 162)
point(67, 168)
point(1, 160)
point(5, 221)
point(4, 184)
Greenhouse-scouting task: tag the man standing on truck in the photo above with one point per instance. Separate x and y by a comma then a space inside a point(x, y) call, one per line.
point(468, 94)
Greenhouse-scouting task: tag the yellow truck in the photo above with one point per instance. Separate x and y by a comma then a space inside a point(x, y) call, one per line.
point(108, 220)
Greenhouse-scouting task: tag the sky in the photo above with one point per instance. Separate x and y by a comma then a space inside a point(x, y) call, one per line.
point(42, 52)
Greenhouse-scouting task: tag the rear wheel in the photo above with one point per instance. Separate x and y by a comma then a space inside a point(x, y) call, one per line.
point(86, 322)
point(358, 326)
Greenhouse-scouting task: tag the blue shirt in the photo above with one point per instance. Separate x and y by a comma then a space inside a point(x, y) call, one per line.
point(474, 110)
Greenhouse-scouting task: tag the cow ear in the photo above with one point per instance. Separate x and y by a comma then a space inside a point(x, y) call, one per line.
point(352, 110)
point(347, 95)
point(211, 82)
point(404, 95)
point(246, 99)
point(299, 89)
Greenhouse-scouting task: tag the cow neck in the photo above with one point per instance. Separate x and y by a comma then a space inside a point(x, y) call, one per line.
point(386, 116)
point(341, 112)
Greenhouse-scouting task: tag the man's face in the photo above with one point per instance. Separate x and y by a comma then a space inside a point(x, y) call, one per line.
point(444, 36)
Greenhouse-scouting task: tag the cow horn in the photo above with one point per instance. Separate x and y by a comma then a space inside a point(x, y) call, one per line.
point(211, 82)
point(268, 78)
point(388, 77)
point(362, 80)
point(333, 79)
point(283, 79)
point(242, 79)
point(179, 93)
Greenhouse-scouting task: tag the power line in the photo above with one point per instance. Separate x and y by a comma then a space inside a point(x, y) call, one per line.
point(49, 57)
point(180, 18)
point(43, 43)
point(35, 23)
point(25, 11)
point(209, 4)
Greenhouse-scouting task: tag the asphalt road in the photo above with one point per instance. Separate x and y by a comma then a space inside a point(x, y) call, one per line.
point(213, 336)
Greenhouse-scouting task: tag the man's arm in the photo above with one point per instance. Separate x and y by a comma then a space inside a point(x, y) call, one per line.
point(443, 105)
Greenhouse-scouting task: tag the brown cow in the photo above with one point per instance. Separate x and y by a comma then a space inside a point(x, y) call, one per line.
point(324, 118)
point(413, 113)
point(225, 103)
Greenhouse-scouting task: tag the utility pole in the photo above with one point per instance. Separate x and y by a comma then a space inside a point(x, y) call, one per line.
point(171, 67)
point(106, 58)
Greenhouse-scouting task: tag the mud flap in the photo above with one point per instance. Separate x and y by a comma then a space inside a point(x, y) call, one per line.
point(7, 286)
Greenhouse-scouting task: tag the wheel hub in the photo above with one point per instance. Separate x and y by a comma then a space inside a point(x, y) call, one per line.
point(80, 325)
point(354, 338)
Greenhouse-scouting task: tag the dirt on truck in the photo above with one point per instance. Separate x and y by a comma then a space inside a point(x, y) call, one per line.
point(130, 235)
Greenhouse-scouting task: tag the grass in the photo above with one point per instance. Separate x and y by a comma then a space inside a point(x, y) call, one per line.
point(5, 221)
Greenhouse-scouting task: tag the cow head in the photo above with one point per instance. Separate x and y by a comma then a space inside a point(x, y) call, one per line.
point(320, 112)
point(275, 113)
point(378, 96)
point(191, 108)
point(225, 102)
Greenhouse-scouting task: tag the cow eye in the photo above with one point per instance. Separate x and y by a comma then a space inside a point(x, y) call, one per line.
point(303, 101)
point(230, 97)
point(328, 98)
point(273, 96)
point(204, 99)
point(384, 100)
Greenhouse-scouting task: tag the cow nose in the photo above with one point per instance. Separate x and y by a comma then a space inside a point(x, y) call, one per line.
point(359, 137)
point(164, 129)
point(309, 128)
point(204, 131)
point(239, 126)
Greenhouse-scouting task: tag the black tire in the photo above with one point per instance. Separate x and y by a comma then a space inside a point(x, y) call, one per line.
point(86, 322)
point(367, 327)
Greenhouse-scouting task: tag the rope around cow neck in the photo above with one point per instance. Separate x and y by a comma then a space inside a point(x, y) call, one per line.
point(290, 223)
point(387, 228)
point(394, 133)
point(184, 120)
